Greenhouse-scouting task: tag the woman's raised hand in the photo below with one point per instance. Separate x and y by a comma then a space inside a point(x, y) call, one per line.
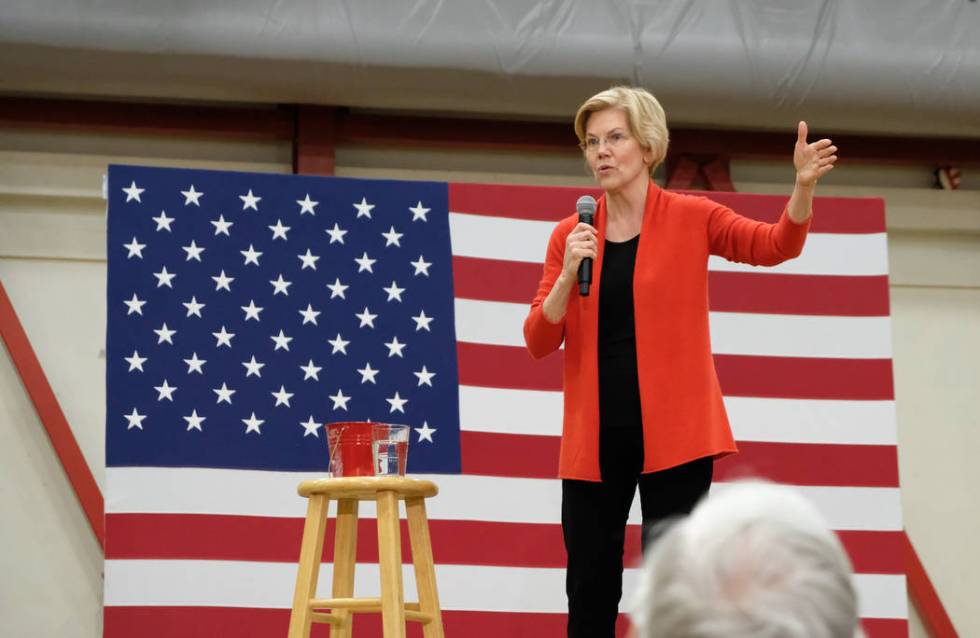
point(812, 161)
point(579, 244)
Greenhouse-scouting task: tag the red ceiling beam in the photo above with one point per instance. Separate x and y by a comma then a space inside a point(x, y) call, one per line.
point(376, 129)
point(221, 122)
point(315, 141)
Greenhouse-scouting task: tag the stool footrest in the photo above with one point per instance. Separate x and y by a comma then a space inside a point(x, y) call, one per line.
point(361, 605)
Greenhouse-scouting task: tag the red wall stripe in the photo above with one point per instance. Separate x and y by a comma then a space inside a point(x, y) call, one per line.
point(552, 203)
point(923, 594)
point(495, 366)
point(767, 293)
point(49, 411)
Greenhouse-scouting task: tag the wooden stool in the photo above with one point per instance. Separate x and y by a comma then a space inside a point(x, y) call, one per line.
point(386, 491)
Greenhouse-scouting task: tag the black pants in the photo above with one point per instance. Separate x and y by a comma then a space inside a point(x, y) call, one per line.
point(593, 521)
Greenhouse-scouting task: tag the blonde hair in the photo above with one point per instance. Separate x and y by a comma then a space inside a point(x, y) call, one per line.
point(647, 120)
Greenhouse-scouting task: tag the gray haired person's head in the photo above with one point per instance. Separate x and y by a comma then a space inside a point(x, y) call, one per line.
point(756, 559)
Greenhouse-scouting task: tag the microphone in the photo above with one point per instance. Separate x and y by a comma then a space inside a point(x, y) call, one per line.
point(586, 214)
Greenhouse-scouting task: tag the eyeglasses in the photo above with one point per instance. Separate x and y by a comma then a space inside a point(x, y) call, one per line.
point(614, 139)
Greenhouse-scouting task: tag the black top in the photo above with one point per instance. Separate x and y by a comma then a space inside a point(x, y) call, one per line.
point(619, 387)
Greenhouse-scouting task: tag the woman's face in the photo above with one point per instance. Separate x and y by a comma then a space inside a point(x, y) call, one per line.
point(616, 158)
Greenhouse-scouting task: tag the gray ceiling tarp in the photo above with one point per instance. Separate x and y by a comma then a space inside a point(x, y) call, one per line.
point(899, 66)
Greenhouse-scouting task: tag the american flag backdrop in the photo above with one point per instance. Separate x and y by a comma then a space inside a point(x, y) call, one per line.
point(246, 310)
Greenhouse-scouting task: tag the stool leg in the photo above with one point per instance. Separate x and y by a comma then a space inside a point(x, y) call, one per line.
point(309, 566)
point(425, 573)
point(344, 560)
point(390, 559)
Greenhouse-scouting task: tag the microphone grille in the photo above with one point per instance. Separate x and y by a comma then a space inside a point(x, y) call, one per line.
point(585, 205)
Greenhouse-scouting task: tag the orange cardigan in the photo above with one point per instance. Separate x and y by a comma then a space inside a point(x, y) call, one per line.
point(683, 412)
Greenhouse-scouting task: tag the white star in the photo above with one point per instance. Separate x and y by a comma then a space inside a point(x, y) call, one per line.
point(251, 255)
point(311, 371)
point(133, 192)
point(425, 432)
point(135, 305)
point(339, 400)
point(224, 393)
point(135, 420)
point(309, 315)
point(252, 424)
point(223, 337)
point(221, 226)
point(367, 319)
point(163, 222)
point(194, 364)
point(279, 231)
point(309, 260)
point(337, 289)
point(395, 348)
point(136, 361)
point(164, 278)
point(191, 197)
point(394, 292)
point(252, 311)
point(396, 404)
point(425, 377)
point(165, 334)
point(282, 341)
point(250, 201)
point(166, 391)
point(282, 397)
point(280, 285)
point(419, 212)
point(306, 206)
point(336, 233)
point(363, 209)
point(193, 251)
point(421, 266)
point(253, 367)
point(193, 307)
point(339, 345)
point(392, 237)
point(368, 374)
point(135, 248)
point(194, 421)
point(422, 322)
point(365, 263)
point(310, 426)
point(222, 281)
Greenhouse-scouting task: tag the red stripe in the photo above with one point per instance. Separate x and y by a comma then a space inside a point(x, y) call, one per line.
point(927, 602)
point(52, 418)
point(250, 622)
point(552, 203)
point(277, 540)
point(740, 375)
point(769, 293)
point(492, 454)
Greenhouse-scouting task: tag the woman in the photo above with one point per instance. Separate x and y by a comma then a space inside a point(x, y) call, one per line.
point(642, 402)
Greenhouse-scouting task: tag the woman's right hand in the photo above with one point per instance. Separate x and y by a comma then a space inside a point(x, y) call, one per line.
point(579, 244)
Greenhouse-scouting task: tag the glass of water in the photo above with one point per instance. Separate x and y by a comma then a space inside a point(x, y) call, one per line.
point(390, 449)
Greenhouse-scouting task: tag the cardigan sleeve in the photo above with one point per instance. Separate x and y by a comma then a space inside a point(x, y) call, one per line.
point(745, 240)
point(541, 336)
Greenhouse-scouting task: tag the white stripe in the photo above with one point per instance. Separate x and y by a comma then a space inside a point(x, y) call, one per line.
point(502, 324)
point(510, 239)
point(461, 587)
point(461, 497)
point(539, 412)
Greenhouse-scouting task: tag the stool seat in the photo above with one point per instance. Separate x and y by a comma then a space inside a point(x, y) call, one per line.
point(366, 488)
point(338, 611)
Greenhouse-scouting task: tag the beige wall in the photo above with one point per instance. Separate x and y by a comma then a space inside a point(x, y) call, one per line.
point(52, 262)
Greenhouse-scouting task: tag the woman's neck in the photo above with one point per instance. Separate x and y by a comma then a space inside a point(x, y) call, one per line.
point(624, 210)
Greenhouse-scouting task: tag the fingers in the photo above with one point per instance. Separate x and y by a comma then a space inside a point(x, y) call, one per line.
point(801, 131)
